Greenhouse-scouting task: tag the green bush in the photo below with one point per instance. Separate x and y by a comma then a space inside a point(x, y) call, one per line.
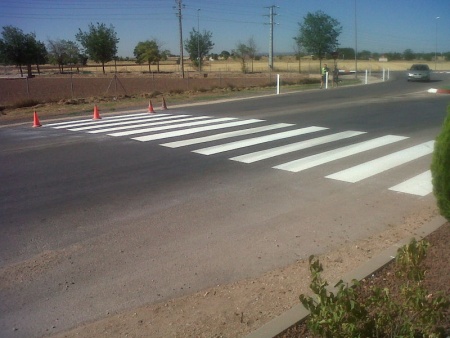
point(440, 168)
point(344, 314)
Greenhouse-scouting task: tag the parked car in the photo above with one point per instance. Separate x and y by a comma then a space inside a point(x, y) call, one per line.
point(419, 72)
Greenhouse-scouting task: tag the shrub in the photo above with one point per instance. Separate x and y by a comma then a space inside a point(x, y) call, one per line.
point(26, 103)
point(440, 168)
point(345, 314)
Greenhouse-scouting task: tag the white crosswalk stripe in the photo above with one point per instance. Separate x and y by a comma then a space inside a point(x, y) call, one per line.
point(194, 130)
point(368, 169)
point(132, 123)
point(173, 126)
point(150, 127)
point(222, 136)
point(420, 185)
point(153, 122)
point(257, 140)
point(72, 124)
point(333, 155)
point(265, 154)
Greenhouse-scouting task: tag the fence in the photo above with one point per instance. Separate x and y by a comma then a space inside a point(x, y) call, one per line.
point(56, 88)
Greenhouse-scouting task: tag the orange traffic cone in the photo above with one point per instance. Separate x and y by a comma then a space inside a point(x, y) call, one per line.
point(36, 122)
point(164, 106)
point(150, 107)
point(96, 113)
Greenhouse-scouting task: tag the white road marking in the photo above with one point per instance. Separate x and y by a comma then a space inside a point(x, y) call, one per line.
point(332, 155)
point(268, 153)
point(193, 130)
point(140, 120)
point(420, 185)
point(222, 136)
point(155, 122)
point(257, 140)
point(368, 169)
point(71, 124)
point(174, 126)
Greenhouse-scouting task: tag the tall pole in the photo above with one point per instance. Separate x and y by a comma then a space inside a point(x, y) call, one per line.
point(356, 46)
point(271, 23)
point(198, 41)
point(435, 50)
point(179, 2)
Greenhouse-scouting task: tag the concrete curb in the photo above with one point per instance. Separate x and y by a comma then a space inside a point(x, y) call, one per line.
point(299, 313)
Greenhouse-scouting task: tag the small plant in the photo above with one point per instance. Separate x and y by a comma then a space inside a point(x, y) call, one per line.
point(346, 314)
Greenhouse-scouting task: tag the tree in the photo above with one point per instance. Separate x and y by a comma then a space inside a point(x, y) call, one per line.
point(100, 43)
point(347, 53)
point(20, 49)
point(63, 52)
point(318, 34)
point(364, 55)
point(409, 55)
point(41, 55)
point(252, 49)
point(149, 51)
point(225, 54)
point(242, 53)
point(198, 45)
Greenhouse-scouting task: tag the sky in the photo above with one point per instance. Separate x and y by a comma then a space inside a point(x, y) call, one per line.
point(375, 25)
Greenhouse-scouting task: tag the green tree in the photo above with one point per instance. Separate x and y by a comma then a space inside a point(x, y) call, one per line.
point(347, 53)
point(41, 55)
point(409, 55)
point(318, 34)
point(63, 52)
point(440, 168)
point(364, 55)
point(20, 49)
point(100, 43)
point(225, 54)
point(242, 54)
point(150, 51)
point(198, 45)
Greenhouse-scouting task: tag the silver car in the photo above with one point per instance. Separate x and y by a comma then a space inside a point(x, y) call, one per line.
point(419, 72)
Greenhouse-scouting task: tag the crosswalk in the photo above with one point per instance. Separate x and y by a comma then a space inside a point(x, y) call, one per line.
point(257, 140)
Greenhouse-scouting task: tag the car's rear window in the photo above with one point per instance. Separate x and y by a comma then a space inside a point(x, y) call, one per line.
point(419, 67)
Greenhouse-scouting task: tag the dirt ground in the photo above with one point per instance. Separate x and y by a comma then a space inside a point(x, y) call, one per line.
point(239, 308)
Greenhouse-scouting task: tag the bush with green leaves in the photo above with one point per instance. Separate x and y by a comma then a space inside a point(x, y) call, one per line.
point(346, 314)
point(440, 168)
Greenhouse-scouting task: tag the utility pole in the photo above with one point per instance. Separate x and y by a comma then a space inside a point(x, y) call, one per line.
point(271, 23)
point(180, 5)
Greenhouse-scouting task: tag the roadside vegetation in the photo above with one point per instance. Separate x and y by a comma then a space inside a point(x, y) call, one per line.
point(440, 168)
point(413, 311)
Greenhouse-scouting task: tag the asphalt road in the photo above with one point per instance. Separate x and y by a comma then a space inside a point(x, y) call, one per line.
point(92, 224)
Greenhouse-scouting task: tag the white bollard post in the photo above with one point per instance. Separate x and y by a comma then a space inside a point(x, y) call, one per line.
point(388, 73)
point(326, 80)
point(278, 84)
point(365, 82)
point(383, 74)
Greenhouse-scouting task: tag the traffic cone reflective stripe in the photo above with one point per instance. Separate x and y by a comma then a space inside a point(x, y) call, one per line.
point(36, 122)
point(96, 113)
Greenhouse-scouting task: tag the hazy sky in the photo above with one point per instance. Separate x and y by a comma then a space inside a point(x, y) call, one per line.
point(381, 25)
